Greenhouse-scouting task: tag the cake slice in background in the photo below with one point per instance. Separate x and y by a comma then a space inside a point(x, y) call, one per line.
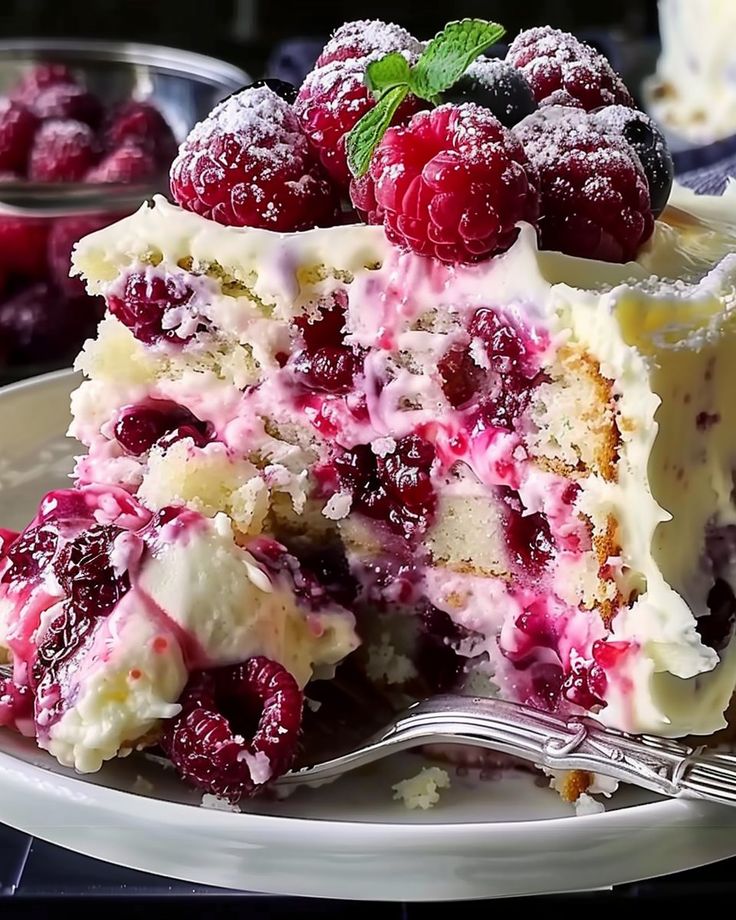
point(693, 93)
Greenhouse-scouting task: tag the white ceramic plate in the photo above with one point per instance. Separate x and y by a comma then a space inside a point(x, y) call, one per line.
point(507, 836)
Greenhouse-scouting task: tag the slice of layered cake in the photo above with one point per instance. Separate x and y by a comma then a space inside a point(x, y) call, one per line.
point(483, 443)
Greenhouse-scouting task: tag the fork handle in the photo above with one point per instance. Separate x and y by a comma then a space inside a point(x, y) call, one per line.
point(667, 767)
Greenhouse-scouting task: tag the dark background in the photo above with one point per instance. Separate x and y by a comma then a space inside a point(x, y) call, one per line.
point(245, 31)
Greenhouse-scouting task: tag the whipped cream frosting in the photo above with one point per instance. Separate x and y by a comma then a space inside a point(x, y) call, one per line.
point(662, 329)
point(195, 599)
point(694, 90)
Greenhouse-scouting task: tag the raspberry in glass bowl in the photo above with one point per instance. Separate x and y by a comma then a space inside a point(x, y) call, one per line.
point(88, 131)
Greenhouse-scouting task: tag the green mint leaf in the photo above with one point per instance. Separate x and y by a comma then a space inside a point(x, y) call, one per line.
point(449, 54)
point(390, 71)
point(367, 134)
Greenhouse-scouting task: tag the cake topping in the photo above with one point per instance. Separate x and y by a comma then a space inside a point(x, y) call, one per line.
point(454, 184)
point(648, 142)
point(594, 194)
point(497, 86)
point(203, 741)
point(249, 164)
point(564, 71)
point(366, 37)
point(331, 101)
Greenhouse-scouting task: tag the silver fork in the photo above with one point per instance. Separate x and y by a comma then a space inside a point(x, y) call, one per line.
point(667, 767)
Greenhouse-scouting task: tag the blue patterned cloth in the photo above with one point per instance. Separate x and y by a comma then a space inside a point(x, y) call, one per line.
point(710, 180)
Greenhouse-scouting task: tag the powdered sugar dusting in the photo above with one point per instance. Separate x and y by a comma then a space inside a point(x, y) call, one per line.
point(364, 36)
point(564, 71)
point(249, 164)
point(256, 117)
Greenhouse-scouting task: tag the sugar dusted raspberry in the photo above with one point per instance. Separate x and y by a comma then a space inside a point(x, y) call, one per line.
point(64, 234)
point(39, 78)
point(23, 246)
point(595, 199)
point(67, 100)
point(249, 164)
point(36, 324)
point(564, 71)
point(17, 127)
point(331, 101)
point(126, 164)
point(366, 36)
point(141, 125)
point(63, 151)
point(204, 744)
point(453, 184)
point(363, 197)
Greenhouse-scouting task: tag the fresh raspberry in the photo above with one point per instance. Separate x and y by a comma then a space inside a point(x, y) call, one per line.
point(203, 742)
point(363, 197)
point(331, 101)
point(38, 79)
point(140, 124)
point(563, 71)
point(37, 325)
point(17, 127)
point(367, 36)
point(454, 183)
point(68, 101)
point(249, 164)
point(23, 246)
point(63, 151)
point(126, 164)
point(595, 198)
point(64, 234)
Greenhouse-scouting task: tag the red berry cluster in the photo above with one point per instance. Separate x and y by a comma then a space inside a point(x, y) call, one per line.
point(52, 130)
point(451, 183)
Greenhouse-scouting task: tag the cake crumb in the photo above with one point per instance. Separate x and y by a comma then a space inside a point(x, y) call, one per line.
point(217, 804)
point(385, 664)
point(422, 790)
point(142, 786)
point(586, 805)
point(338, 506)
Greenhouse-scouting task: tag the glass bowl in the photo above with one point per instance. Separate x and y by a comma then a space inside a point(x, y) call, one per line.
point(183, 86)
